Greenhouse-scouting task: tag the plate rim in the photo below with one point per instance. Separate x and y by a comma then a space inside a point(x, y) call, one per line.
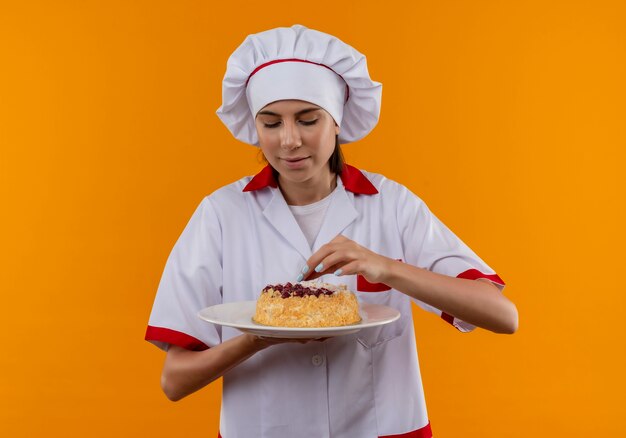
point(255, 326)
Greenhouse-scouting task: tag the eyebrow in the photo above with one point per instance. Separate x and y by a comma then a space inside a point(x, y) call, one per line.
point(299, 113)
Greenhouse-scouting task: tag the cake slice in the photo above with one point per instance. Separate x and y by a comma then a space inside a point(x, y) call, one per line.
point(307, 304)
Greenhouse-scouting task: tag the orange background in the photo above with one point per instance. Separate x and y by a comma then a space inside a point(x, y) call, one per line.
point(507, 118)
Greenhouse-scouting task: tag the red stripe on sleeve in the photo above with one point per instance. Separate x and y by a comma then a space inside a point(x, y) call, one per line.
point(424, 432)
point(473, 274)
point(169, 336)
point(447, 318)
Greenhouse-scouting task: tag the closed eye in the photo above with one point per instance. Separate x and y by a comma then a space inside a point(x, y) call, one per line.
point(308, 122)
point(271, 125)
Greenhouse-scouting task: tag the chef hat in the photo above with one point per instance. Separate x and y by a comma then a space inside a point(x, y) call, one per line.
point(303, 64)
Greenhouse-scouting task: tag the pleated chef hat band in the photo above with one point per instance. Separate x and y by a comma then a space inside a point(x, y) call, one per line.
point(297, 79)
point(303, 64)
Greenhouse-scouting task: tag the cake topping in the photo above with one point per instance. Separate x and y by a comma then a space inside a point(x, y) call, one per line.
point(302, 289)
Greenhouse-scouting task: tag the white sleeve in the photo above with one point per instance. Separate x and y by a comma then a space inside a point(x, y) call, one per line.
point(191, 281)
point(429, 244)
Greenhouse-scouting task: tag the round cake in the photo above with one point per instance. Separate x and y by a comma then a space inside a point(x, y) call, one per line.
point(307, 304)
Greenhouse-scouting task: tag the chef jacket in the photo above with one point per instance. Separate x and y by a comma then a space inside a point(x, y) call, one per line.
point(243, 237)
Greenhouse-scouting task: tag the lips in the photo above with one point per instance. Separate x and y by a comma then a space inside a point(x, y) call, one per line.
point(295, 162)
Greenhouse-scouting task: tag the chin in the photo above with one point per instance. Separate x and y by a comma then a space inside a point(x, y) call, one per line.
point(297, 176)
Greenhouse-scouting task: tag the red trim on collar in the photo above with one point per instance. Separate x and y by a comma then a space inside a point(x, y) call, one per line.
point(265, 178)
point(354, 181)
point(351, 177)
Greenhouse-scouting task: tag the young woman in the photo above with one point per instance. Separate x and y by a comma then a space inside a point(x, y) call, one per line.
point(298, 94)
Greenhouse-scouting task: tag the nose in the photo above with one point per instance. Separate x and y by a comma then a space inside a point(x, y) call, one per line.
point(290, 136)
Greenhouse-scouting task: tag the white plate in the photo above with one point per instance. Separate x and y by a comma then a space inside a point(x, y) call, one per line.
point(239, 315)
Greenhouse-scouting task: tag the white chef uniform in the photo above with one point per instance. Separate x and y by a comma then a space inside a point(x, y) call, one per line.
point(366, 385)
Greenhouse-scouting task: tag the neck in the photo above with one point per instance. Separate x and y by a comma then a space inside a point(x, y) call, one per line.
point(309, 191)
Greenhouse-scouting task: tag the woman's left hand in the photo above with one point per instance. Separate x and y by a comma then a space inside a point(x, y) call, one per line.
point(342, 256)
